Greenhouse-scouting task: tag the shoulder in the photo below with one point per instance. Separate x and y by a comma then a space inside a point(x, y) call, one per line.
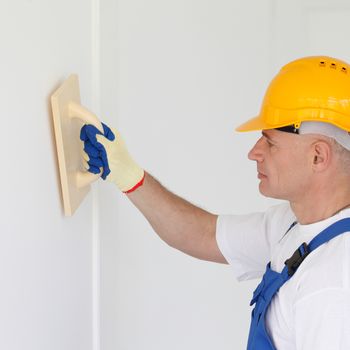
point(327, 268)
point(270, 225)
point(280, 215)
point(252, 236)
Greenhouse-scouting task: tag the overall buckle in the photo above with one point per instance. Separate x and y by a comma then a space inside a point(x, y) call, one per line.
point(297, 258)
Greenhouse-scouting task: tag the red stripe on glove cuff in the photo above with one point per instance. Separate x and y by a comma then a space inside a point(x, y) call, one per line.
point(140, 183)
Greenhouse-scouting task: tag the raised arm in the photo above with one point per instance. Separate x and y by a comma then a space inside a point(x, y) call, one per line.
point(179, 223)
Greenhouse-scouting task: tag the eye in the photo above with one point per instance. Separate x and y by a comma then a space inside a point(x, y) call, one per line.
point(269, 142)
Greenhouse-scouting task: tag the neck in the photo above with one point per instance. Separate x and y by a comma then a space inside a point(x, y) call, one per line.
point(321, 205)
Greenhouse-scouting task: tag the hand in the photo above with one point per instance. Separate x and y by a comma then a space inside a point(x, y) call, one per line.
point(108, 153)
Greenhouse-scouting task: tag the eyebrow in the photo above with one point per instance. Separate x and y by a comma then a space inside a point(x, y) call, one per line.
point(269, 138)
point(266, 135)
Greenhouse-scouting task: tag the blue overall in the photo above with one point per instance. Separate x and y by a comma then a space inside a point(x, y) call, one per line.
point(272, 281)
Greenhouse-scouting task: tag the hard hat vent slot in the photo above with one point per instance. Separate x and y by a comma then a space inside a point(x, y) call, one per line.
point(333, 66)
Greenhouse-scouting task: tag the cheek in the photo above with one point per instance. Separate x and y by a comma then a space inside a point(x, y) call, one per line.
point(285, 173)
point(296, 171)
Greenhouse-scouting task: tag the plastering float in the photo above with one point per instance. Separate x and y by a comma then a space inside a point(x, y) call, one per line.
point(68, 117)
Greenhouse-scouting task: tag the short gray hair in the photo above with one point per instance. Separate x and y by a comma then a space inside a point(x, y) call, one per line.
point(343, 154)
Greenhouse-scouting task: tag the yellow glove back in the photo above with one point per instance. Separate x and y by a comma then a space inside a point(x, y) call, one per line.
point(125, 172)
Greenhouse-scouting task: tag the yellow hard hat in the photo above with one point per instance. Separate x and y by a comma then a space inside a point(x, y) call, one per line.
point(315, 88)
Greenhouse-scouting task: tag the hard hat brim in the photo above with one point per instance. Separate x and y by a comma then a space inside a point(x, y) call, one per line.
point(254, 124)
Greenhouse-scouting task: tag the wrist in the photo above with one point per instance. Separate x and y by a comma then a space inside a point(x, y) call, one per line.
point(137, 185)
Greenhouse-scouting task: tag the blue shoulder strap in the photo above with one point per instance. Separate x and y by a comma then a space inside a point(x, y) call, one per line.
point(330, 232)
point(304, 250)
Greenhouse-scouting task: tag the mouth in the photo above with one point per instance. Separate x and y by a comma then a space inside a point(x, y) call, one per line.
point(261, 175)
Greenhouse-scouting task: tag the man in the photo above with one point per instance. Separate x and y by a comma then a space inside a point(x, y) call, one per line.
point(302, 157)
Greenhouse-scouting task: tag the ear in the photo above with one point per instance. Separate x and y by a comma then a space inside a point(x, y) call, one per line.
point(321, 155)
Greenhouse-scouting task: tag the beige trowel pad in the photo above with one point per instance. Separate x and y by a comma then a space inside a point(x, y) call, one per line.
point(69, 116)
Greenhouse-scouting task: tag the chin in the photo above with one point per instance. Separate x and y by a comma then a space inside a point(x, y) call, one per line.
point(269, 193)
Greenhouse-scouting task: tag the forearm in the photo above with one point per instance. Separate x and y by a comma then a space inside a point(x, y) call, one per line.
point(178, 222)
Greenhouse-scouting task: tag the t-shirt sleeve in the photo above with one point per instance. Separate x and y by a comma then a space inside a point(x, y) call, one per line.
point(246, 241)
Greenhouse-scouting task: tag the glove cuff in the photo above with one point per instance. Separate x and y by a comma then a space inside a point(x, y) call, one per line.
point(140, 183)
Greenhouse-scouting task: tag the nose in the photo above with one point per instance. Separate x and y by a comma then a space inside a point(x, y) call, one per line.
point(256, 153)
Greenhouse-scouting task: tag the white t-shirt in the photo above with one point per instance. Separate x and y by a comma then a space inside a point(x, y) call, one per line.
point(312, 309)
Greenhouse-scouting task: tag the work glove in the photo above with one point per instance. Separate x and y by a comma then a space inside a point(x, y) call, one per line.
point(107, 153)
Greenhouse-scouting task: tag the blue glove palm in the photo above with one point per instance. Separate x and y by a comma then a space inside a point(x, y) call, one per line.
point(95, 150)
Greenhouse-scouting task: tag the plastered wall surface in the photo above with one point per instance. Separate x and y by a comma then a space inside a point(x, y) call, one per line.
point(45, 259)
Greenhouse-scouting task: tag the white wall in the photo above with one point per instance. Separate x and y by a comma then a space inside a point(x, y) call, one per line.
point(45, 259)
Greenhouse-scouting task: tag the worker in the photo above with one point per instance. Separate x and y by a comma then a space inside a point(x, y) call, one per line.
point(301, 247)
